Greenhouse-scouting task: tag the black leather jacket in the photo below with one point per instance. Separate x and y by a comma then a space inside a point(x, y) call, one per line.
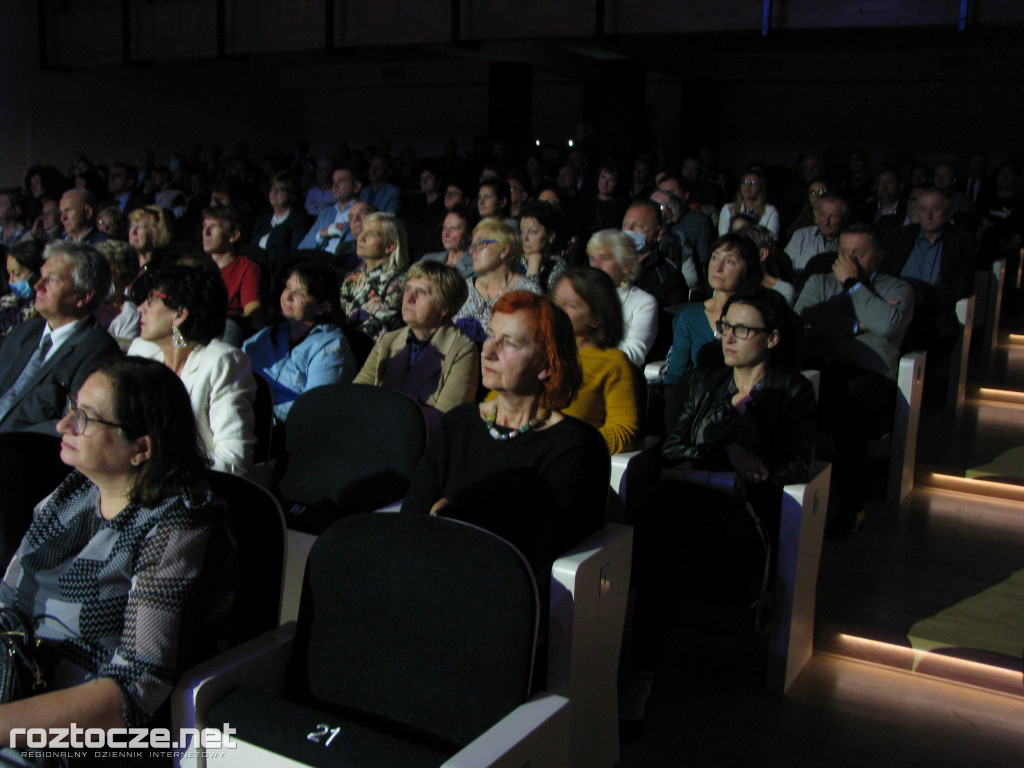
point(782, 411)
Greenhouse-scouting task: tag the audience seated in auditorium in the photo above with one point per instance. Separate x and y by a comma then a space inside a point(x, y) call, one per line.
point(539, 228)
point(607, 398)
point(755, 417)
point(121, 181)
point(775, 268)
point(119, 314)
point(280, 230)
point(78, 217)
point(515, 465)
point(321, 194)
point(694, 228)
point(604, 207)
point(751, 198)
point(371, 295)
point(379, 192)
point(855, 317)
point(614, 252)
point(938, 261)
point(12, 217)
point(24, 266)
point(47, 226)
point(497, 253)
point(181, 320)
point(149, 233)
point(808, 215)
point(221, 232)
point(126, 564)
point(885, 209)
point(331, 228)
point(429, 360)
point(455, 236)
point(492, 201)
point(657, 275)
point(43, 358)
point(306, 348)
point(735, 267)
point(823, 237)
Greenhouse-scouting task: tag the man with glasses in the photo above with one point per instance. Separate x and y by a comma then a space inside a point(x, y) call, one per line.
point(45, 359)
point(855, 317)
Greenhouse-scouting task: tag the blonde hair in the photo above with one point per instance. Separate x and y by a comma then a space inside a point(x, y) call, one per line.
point(505, 237)
point(161, 223)
point(394, 232)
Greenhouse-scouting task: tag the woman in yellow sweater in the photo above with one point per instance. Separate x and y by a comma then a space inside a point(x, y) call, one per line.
point(607, 399)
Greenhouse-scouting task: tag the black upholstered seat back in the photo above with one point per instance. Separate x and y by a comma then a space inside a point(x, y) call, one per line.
point(428, 622)
point(349, 448)
point(32, 469)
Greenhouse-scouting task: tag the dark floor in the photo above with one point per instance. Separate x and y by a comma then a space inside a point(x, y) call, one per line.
point(905, 566)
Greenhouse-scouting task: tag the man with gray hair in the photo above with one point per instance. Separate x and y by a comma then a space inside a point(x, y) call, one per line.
point(46, 359)
point(78, 215)
point(820, 237)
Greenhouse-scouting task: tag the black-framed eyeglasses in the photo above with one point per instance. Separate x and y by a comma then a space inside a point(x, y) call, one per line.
point(741, 332)
point(81, 420)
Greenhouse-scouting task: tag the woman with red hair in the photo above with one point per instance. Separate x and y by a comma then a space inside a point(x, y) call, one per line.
point(516, 465)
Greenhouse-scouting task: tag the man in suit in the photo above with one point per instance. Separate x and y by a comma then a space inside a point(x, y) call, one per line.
point(938, 261)
point(44, 360)
point(78, 216)
point(855, 318)
point(121, 180)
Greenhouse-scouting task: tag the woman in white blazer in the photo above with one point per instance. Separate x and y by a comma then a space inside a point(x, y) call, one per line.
point(180, 321)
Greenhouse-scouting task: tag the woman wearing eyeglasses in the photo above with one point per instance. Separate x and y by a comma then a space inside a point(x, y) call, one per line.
point(180, 323)
point(754, 417)
point(124, 562)
point(735, 266)
point(752, 199)
point(497, 251)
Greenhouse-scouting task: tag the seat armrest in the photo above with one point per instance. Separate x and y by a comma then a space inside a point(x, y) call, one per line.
point(535, 734)
point(652, 371)
point(260, 663)
point(636, 470)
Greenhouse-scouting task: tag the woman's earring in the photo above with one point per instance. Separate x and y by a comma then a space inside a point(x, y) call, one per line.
point(179, 340)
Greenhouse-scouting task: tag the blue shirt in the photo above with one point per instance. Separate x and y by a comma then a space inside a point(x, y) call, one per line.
point(323, 357)
point(924, 261)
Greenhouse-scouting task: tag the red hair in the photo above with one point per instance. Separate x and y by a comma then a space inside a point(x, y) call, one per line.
point(552, 330)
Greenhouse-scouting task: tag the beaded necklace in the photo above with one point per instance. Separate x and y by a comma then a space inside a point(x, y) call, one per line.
point(497, 434)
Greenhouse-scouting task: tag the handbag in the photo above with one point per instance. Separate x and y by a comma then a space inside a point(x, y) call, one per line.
point(21, 674)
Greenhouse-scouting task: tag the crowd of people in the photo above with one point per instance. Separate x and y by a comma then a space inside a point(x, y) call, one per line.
point(516, 302)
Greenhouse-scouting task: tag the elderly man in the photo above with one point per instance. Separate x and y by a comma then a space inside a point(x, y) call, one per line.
point(45, 359)
point(331, 230)
point(855, 317)
point(820, 237)
point(78, 216)
point(938, 261)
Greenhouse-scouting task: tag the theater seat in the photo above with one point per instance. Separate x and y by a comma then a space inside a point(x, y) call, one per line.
point(415, 646)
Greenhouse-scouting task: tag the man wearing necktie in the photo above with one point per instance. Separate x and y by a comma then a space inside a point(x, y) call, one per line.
point(44, 360)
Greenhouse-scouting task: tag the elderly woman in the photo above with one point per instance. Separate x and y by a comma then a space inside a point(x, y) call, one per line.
point(516, 465)
point(431, 361)
point(181, 320)
point(735, 266)
point(607, 400)
point(124, 561)
point(752, 199)
point(754, 417)
point(280, 231)
point(497, 251)
point(614, 253)
point(24, 265)
point(455, 236)
point(306, 349)
point(538, 229)
point(118, 314)
point(371, 296)
point(149, 233)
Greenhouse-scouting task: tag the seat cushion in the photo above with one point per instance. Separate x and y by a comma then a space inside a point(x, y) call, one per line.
point(314, 737)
